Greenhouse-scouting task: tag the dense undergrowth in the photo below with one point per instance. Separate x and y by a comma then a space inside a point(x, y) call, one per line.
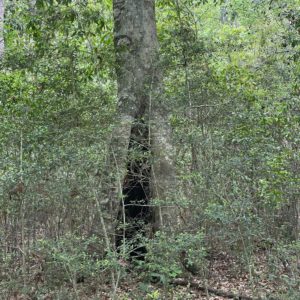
point(231, 77)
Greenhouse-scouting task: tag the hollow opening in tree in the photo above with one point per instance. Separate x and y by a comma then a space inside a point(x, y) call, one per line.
point(134, 211)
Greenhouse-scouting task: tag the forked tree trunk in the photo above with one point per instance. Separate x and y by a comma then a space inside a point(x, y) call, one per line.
point(139, 101)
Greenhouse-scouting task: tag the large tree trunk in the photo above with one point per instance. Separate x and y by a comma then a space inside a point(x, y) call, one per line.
point(163, 178)
point(1, 27)
point(139, 105)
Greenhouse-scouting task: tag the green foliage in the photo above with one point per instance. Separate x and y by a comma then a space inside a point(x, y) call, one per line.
point(59, 266)
point(169, 264)
point(233, 86)
point(70, 259)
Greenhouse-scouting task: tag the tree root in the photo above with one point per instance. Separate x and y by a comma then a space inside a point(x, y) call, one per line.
point(217, 292)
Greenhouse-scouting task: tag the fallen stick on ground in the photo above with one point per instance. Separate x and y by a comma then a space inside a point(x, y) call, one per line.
point(217, 292)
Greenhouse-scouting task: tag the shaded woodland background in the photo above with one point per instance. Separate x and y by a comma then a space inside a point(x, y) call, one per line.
point(231, 80)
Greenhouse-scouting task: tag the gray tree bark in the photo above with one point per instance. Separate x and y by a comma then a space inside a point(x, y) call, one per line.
point(1, 27)
point(139, 100)
point(224, 13)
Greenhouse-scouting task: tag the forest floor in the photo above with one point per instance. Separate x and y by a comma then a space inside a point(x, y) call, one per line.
point(261, 278)
point(225, 280)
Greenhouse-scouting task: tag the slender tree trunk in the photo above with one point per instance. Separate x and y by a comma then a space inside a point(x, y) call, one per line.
point(1, 27)
point(224, 12)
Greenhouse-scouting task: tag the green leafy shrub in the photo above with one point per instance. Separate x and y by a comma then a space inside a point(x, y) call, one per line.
point(164, 257)
point(70, 259)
